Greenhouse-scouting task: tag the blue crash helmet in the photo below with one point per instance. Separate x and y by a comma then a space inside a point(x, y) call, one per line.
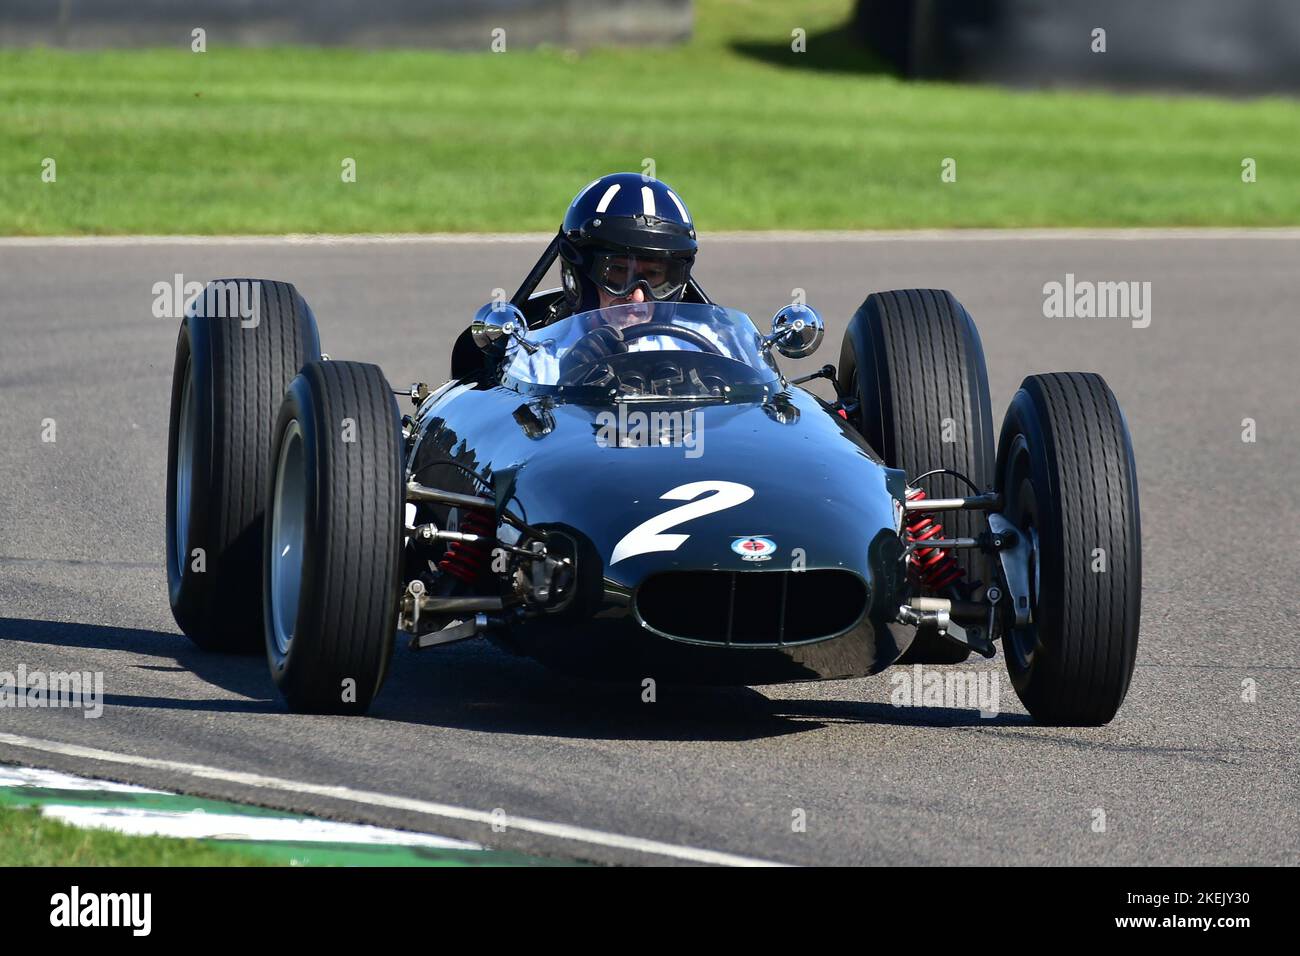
point(621, 232)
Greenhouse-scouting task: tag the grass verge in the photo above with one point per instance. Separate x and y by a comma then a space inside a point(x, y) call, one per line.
point(753, 135)
point(28, 839)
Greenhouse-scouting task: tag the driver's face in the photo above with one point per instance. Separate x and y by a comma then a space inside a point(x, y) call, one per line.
point(621, 270)
point(636, 296)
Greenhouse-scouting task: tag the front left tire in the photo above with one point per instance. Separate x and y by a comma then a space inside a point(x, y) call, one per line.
point(1068, 480)
point(229, 376)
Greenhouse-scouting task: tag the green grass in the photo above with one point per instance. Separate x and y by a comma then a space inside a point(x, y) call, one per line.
point(28, 839)
point(752, 135)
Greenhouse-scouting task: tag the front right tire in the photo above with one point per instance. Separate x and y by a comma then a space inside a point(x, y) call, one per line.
point(913, 363)
point(331, 566)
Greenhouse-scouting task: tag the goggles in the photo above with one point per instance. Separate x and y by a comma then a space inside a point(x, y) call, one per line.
point(618, 273)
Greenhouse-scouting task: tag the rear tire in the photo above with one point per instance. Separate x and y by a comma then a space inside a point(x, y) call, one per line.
point(229, 377)
point(1066, 471)
point(913, 362)
point(334, 532)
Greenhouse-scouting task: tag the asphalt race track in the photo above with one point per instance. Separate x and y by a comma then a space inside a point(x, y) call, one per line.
point(1189, 772)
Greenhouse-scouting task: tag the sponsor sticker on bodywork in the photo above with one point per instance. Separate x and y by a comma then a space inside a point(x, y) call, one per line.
point(754, 548)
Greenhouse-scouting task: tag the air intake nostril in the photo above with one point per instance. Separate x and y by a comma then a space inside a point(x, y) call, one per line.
point(752, 608)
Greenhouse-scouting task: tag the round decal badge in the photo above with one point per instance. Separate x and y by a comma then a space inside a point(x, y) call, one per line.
point(754, 548)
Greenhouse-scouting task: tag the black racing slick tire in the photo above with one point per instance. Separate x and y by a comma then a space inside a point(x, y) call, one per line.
point(913, 365)
point(241, 343)
point(1066, 472)
point(333, 537)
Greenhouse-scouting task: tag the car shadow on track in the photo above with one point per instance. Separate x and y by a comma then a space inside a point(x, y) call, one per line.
point(870, 712)
point(240, 674)
point(476, 686)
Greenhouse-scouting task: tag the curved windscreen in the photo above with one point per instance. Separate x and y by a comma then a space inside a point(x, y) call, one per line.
point(648, 349)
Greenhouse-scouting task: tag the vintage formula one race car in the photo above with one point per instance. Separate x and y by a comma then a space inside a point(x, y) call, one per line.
point(682, 513)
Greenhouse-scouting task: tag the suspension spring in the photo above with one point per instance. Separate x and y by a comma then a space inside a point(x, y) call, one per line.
point(469, 560)
point(929, 568)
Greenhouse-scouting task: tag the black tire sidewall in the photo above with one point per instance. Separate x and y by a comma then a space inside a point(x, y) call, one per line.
point(218, 608)
point(297, 406)
point(1084, 648)
point(1023, 423)
point(917, 316)
point(309, 675)
point(189, 595)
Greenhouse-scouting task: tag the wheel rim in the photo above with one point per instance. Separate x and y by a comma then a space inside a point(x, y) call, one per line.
point(288, 519)
point(1022, 510)
point(186, 430)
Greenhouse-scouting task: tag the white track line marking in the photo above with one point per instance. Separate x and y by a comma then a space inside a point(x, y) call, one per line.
point(562, 831)
point(785, 236)
point(198, 823)
point(201, 825)
point(53, 780)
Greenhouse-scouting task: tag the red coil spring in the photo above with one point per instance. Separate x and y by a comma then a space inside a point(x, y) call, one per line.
point(467, 560)
point(931, 568)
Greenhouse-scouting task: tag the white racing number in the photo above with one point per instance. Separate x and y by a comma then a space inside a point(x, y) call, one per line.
point(649, 535)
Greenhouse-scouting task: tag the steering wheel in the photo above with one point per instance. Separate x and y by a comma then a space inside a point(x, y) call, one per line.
point(644, 329)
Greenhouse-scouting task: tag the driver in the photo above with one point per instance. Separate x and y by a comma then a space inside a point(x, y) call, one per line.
point(625, 233)
point(627, 240)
